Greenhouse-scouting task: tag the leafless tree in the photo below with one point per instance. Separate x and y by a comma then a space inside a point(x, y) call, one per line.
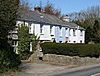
point(89, 15)
point(50, 9)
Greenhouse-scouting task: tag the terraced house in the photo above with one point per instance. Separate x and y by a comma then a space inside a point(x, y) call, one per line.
point(50, 28)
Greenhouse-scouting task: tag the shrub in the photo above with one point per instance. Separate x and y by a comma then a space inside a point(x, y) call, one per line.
point(82, 50)
point(8, 58)
point(24, 42)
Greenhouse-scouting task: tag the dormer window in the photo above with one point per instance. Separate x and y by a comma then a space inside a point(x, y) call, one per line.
point(41, 28)
point(69, 32)
point(74, 34)
point(60, 31)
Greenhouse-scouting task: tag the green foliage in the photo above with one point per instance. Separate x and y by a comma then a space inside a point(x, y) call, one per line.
point(24, 42)
point(89, 35)
point(34, 39)
point(24, 38)
point(8, 9)
point(8, 59)
point(82, 50)
point(96, 32)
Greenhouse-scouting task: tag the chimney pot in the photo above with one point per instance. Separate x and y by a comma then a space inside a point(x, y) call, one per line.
point(37, 8)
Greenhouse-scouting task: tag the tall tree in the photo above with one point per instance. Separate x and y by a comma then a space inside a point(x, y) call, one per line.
point(24, 38)
point(96, 29)
point(24, 41)
point(8, 58)
point(8, 10)
point(89, 36)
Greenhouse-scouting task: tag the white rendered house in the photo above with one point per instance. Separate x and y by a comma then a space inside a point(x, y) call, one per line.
point(50, 28)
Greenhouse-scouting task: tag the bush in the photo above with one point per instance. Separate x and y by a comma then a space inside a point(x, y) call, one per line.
point(8, 58)
point(25, 55)
point(82, 50)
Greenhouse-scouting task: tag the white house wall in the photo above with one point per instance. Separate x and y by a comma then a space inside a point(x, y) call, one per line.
point(78, 37)
point(59, 33)
point(37, 29)
point(70, 36)
point(81, 37)
point(45, 35)
point(63, 34)
point(31, 29)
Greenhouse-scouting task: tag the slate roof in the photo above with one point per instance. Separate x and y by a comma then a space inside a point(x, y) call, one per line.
point(44, 18)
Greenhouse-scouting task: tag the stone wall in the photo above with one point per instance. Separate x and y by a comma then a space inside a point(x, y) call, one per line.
point(67, 60)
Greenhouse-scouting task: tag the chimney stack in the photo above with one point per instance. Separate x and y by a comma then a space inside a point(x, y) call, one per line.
point(66, 18)
point(37, 8)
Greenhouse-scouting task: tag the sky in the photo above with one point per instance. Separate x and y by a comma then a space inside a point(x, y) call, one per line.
point(67, 6)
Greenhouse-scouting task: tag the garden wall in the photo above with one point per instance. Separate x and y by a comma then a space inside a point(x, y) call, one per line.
point(67, 60)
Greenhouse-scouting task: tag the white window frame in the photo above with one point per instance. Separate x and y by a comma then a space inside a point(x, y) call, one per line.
point(69, 32)
point(41, 29)
point(51, 29)
point(74, 32)
point(30, 28)
point(60, 31)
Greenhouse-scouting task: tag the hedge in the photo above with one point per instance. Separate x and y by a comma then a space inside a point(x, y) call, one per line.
point(81, 50)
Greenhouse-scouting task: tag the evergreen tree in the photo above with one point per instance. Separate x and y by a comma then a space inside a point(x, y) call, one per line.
point(24, 41)
point(89, 35)
point(8, 10)
point(96, 29)
point(8, 58)
point(24, 38)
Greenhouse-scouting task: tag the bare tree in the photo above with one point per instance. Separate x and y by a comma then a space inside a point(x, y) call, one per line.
point(89, 15)
point(50, 9)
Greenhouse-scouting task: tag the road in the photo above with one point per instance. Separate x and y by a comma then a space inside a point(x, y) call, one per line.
point(34, 69)
point(94, 71)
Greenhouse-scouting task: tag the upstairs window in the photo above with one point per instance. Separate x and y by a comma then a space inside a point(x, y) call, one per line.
point(30, 28)
point(74, 34)
point(34, 29)
point(51, 29)
point(81, 33)
point(41, 28)
point(60, 31)
point(69, 32)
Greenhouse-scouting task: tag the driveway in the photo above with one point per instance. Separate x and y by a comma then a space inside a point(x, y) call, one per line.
point(39, 69)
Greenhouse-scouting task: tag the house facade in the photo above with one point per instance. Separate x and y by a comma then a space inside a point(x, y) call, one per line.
point(50, 28)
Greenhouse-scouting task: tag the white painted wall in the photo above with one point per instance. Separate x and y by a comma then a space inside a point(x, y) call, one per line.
point(78, 37)
point(31, 28)
point(70, 36)
point(45, 35)
point(59, 33)
point(37, 29)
